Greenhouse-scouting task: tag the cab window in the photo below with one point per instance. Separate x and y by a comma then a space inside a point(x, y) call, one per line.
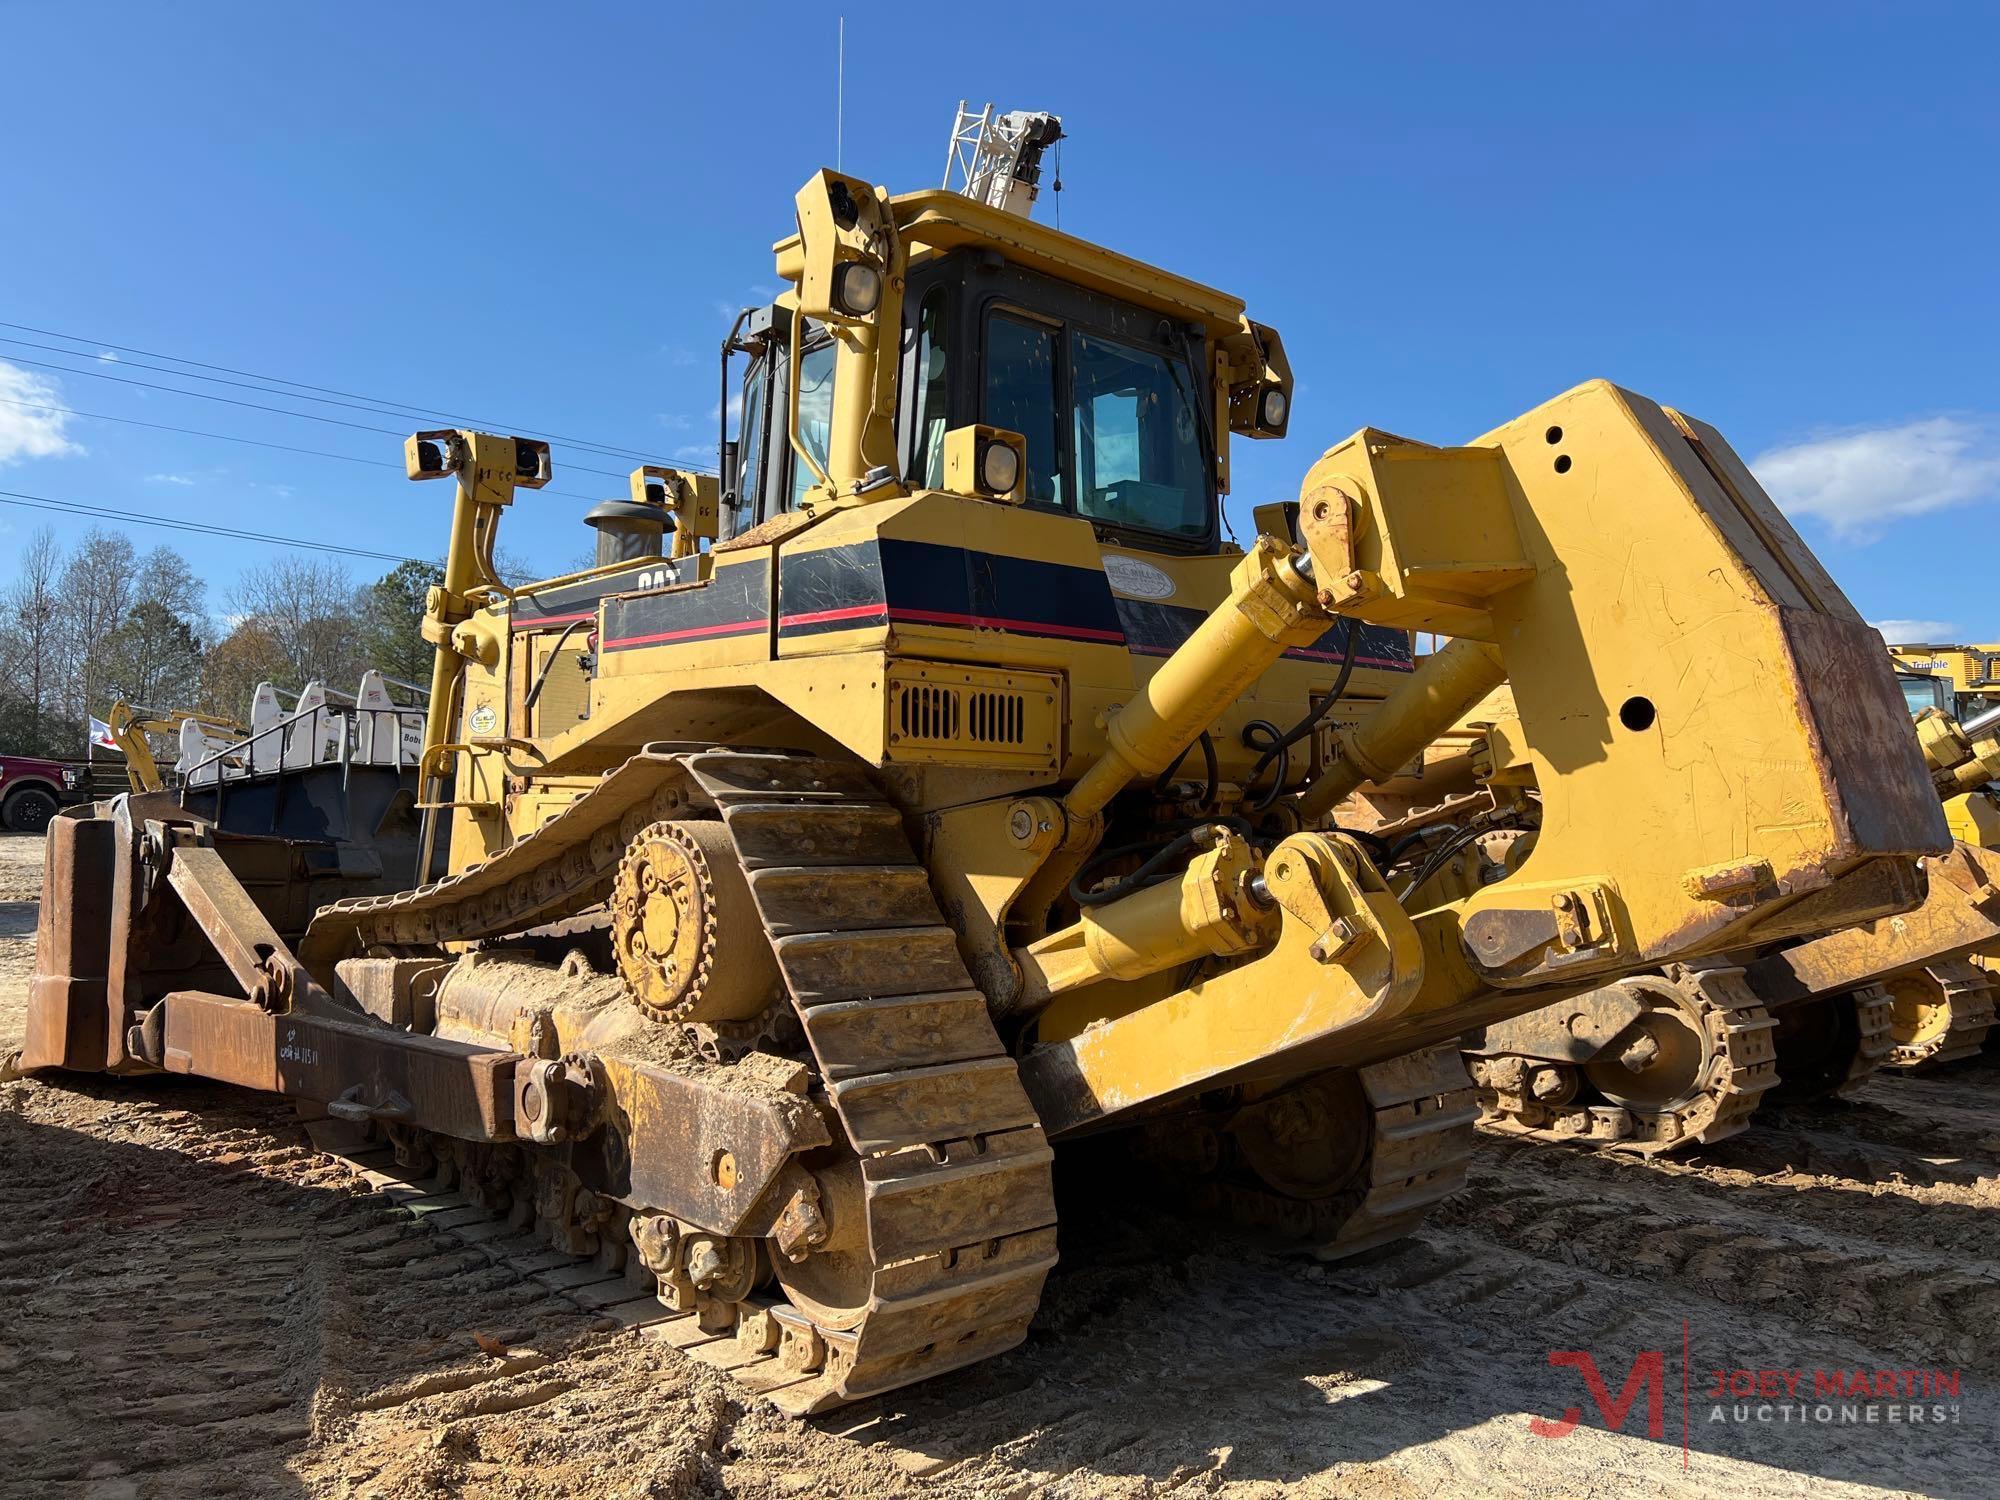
point(1022, 396)
point(750, 445)
point(815, 418)
point(1921, 693)
point(1138, 456)
point(1113, 427)
point(933, 388)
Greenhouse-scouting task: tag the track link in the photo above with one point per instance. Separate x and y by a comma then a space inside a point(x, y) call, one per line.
point(1875, 1019)
point(1420, 1111)
point(955, 1171)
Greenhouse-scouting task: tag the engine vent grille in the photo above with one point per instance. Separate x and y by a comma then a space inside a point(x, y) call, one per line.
point(968, 715)
point(997, 718)
point(929, 712)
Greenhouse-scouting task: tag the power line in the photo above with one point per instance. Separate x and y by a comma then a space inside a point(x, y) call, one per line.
point(241, 385)
point(175, 523)
point(230, 437)
point(244, 385)
point(227, 437)
point(255, 406)
point(608, 449)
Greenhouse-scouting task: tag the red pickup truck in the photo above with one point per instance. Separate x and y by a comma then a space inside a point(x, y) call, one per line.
point(31, 789)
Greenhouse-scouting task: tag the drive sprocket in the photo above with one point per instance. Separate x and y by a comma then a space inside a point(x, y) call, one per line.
point(685, 927)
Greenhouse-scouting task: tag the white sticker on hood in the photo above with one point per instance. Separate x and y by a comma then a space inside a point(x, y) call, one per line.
point(1137, 580)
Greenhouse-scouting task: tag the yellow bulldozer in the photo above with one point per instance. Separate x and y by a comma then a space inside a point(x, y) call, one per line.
point(940, 784)
point(1969, 674)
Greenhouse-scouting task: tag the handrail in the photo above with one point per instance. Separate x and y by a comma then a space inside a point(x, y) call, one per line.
point(340, 710)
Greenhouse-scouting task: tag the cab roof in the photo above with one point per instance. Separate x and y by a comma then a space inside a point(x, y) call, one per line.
point(939, 220)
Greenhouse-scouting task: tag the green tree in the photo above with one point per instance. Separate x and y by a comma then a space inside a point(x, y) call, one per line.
point(392, 621)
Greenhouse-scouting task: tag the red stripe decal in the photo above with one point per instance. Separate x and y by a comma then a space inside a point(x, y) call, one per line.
point(825, 616)
point(989, 622)
point(738, 627)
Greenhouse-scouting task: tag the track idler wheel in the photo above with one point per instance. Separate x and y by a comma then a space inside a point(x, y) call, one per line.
point(834, 1283)
point(1339, 1162)
point(1688, 1070)
point(1940, 1014)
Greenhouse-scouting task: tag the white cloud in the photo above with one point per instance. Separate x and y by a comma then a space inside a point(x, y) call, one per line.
point(169, 479)
point(1912, 632)
point(675, 421)
point(26, 432)
point(753, 296)
point(1860, 482)
point(695, 453)
point(106, 357)
point(735, 409)
point(683, 358)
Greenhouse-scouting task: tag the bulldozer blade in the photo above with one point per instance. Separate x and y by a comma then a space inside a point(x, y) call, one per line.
point(69, 995)
point(1960, 915)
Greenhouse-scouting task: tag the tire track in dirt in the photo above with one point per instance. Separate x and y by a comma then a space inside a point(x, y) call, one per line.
point(194, 1302)
point(1908, 1270)
point(185, 1317)
point(209, 1307)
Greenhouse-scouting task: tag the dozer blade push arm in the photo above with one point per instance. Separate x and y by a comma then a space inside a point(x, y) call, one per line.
point(1718, 746)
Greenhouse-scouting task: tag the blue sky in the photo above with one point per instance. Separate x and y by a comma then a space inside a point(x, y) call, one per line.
point(1780, 218)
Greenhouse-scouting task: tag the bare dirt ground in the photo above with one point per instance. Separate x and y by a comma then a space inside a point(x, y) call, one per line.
point(194, 1303)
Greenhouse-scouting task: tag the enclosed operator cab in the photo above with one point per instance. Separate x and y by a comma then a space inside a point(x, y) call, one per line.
point(1110, 399)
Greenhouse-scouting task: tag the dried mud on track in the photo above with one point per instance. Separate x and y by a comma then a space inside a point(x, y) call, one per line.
point(194, 1303)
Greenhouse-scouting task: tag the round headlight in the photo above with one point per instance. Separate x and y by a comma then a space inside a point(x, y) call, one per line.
point(999, 468)
point(1275, 408)
point(857, 289)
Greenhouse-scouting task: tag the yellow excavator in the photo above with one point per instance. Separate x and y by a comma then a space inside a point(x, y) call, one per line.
point(132, 729)
point(940, 785)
